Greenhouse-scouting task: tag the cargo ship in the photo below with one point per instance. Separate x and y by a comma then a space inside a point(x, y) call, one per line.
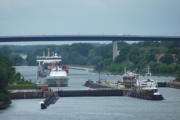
point(50, 71)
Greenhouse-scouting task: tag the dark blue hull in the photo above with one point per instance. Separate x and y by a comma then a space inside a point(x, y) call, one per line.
point(145, 95)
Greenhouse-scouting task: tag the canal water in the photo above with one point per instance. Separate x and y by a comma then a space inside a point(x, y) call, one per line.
point(94, 108)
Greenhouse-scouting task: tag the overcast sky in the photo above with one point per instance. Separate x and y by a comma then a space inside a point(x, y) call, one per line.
point(65, 17)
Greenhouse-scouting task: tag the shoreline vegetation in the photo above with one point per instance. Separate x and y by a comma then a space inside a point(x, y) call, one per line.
point(10, 79)
point(162, 57)
point(22, 86)
point(6, 75)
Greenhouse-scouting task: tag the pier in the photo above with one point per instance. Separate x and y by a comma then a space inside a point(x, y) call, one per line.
point(65, 93)
point(163, 84)
point(27, 94)
point(86, 93)
point(97, 90)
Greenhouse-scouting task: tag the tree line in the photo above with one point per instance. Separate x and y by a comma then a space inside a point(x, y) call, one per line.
point(162, 57)
point(6, 75)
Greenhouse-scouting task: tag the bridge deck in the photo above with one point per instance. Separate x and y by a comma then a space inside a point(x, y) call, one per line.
point(87, 38)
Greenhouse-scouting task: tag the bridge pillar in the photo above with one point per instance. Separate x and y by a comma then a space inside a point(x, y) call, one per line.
point(115, 49)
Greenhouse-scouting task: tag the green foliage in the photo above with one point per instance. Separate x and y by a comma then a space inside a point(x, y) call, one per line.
point(167, 59)
point(14, 57)
point(4, 97)
point(138, 56)
point(20, 83)
point(9, 79)
point(6, 72)
point(22, 86)
point(178, 76)
point(17, 60)
point(119, 68)
point(76, 54)
point(31, 59)
point(6, 75)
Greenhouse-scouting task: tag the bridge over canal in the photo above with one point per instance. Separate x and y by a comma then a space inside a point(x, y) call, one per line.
point(113, 38)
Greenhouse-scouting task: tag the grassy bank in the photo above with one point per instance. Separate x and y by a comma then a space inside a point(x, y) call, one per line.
point(22, 86)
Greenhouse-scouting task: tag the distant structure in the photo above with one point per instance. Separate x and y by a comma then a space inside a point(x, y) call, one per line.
point(159, 56)
point(115, 49)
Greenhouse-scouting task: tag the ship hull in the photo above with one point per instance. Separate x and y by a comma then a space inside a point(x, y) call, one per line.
point(144, 95)
point(54, 81)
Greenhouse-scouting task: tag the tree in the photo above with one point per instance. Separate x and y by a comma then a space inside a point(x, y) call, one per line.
point(17, 60)
point(5, 51)
point(31, 59)
point(167, 59)
point(6, 74)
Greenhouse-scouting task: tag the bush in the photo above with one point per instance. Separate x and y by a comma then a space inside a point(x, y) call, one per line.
point(4, 97)
point(178, 76)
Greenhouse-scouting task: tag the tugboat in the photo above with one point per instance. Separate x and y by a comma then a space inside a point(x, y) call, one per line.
point(50, 72)
point(146, 89)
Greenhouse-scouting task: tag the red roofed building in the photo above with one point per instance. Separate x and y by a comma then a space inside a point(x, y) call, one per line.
point(159, 56)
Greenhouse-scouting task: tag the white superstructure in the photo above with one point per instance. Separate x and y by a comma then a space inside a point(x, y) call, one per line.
point(50, 71)
point(129, 78)
point(148, 84)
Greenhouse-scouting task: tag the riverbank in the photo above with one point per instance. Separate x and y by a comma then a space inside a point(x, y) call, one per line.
point(22, 86)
